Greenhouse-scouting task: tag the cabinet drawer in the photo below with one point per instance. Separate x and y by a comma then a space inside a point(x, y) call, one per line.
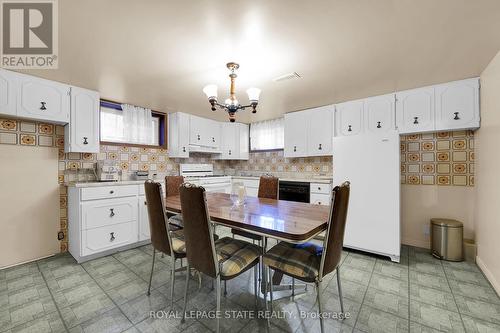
point(107, 212)
point(108, 192)
point(247, 182)
point(320, 188)
point(320, 199)
point(108, 237)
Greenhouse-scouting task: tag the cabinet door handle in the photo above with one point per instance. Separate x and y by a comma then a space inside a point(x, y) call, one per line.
point(183, 149)
point(112, 212)
point(112, 238)
point(198, 137)
point(456, 116)
point(379, 125)
point(111, 192)
point(415, 120)
point(229, 151)
point(349, 128)
point(145, 203)
point(294, 148)
point(85, 142)
point(320, 148)
point(43, 106)
point(319, 203)
point(213, 139)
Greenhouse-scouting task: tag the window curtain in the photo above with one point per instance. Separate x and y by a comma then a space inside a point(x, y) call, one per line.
point(266, 135)
point(137, 124)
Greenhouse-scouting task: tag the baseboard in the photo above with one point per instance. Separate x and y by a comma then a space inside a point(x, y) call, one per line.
point(488, 274)
point(416, 243)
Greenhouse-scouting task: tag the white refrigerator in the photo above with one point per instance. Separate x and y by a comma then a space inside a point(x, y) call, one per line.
point(371, 164)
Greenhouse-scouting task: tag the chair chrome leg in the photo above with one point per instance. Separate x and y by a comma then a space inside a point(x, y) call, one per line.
point(265, 273)
point(318, 294)
point(225, 288)
point(217, 293)
point(340, 292)
point(293, 288)
point(255, 291)
point(172, 282)
point(152, 269)
point(269, 278)
point(185, 295)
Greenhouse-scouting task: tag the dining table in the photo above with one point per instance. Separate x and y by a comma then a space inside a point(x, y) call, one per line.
point(288, 221)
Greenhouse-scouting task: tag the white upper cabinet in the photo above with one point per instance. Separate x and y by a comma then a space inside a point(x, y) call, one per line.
point(7, 93)
point(204, 132)
point(43, 99)
point(82, 133)
point(415, 110)
point(234, 141)
point(296, 134)
point(349, 118)
point(244, 134)
point(230, 144)
point(320, 130)
point(457, 105)
point(379, 114)
point(197, 132)
point(212, 133)
point(178, 135)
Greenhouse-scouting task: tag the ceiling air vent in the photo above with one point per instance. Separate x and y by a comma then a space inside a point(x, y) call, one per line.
point(288, 76)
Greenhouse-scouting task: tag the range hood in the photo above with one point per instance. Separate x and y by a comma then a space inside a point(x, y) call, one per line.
point(203, 149)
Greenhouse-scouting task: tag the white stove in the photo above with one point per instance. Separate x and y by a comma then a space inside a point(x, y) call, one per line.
point(203, 175)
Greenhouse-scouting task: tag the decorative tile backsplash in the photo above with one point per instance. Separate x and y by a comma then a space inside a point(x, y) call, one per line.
point(443, 158)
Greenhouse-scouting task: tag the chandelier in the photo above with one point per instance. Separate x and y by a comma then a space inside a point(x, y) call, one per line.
point(231, 105)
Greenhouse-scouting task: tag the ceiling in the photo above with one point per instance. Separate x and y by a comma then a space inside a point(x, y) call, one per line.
point(160, 54)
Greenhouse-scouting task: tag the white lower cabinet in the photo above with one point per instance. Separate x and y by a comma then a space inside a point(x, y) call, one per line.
point(144, 233)
point(97, 240)
point(104, 219)
point(320, 193)
point(251, 185)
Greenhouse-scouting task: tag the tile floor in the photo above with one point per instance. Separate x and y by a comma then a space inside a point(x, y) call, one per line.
point(421, 294)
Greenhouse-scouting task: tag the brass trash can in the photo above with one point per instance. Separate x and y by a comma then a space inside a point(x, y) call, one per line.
point(447, 239)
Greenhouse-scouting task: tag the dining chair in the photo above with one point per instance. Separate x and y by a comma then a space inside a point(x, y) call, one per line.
point(221, 260)
point(163, 239)
point(172, 184)
point(311, 263)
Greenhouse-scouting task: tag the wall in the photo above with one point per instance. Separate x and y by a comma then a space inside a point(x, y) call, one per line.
point(437, 177)
point(437, 170)
point(487, 208)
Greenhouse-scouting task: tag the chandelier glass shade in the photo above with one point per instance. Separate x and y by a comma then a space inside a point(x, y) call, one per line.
point(231, 104)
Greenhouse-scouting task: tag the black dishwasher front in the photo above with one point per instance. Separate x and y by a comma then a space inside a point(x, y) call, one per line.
point(294, 191)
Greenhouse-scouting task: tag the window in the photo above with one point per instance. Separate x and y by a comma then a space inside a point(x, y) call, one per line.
point(267, 135)
point(114, 129)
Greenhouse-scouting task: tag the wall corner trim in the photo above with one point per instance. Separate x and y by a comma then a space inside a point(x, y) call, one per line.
point(489, 275)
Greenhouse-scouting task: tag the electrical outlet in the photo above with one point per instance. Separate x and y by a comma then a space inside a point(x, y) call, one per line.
point(60, 235)
point(427, 230)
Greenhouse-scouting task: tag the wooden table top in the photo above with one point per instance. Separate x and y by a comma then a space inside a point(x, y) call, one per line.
point(286, 220)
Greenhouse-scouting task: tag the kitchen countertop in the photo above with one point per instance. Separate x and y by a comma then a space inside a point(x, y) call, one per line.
point(102, 184)
point(322, 180)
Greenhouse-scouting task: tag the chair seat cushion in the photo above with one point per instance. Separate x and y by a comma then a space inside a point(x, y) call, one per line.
point(301, 261)
point(176, 220)
point(235, 256)
point(179, 242)
point(246, 234)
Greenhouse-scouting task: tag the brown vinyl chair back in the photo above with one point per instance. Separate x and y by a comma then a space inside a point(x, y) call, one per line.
point(334, 240)
point(268, 187)
point(158, 224)
point(198, 233)
point(172, 184)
